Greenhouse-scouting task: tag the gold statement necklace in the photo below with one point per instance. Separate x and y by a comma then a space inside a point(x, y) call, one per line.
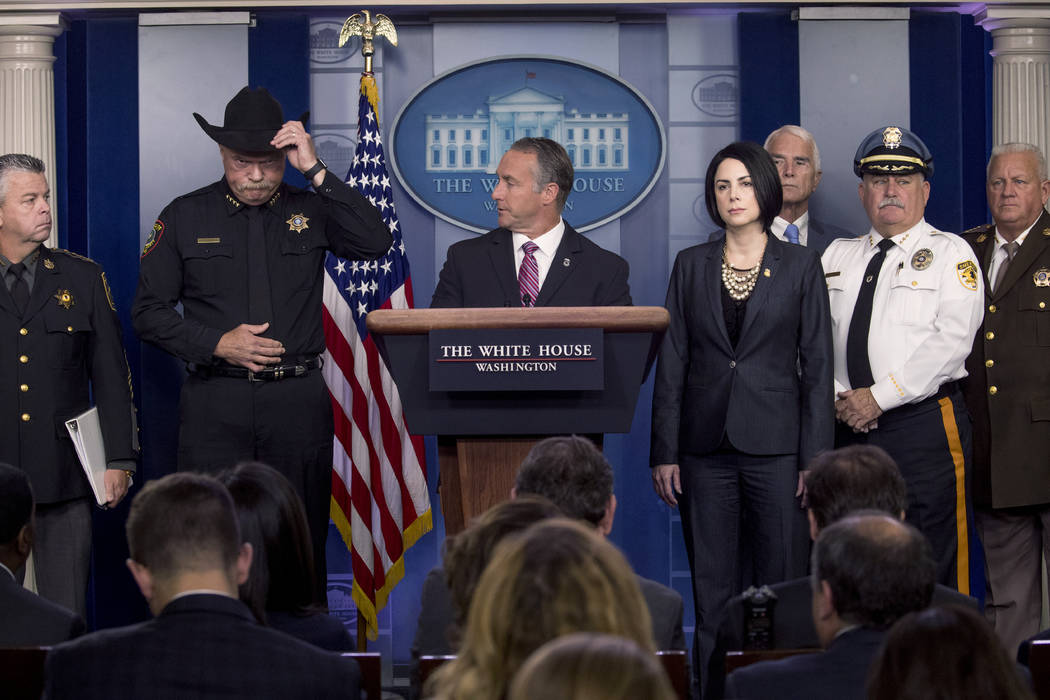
point(739, 283)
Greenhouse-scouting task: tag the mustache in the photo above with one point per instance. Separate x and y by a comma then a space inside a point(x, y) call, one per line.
point(264, 185)
point(891, 202)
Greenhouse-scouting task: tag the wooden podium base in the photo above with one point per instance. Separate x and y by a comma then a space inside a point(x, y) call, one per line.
point(476, 473)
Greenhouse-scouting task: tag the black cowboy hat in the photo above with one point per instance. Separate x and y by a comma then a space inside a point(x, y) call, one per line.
point(252, 118)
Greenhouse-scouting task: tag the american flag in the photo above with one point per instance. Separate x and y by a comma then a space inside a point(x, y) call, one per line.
point(380, 502)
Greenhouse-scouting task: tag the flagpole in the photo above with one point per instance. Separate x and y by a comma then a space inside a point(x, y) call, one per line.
point(361, 24)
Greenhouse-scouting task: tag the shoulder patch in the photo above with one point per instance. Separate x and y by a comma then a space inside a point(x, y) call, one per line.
point(154, 235)
point(967, 272)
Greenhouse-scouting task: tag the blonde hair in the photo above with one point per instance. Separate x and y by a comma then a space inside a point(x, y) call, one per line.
point(588, 666)
point(557, 578)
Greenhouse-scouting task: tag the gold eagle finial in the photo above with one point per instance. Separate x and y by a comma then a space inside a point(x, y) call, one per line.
point(367, 30)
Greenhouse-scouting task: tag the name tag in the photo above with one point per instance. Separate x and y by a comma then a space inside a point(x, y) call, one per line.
point(209, 240)
point(831, 274)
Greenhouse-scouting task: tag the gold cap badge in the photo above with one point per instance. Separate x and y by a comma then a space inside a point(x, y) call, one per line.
point(891, 137)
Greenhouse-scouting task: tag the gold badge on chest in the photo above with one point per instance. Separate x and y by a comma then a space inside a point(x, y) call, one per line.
point(298, 223)
point(922, 259)
point(65, 298)
point(1041, 278)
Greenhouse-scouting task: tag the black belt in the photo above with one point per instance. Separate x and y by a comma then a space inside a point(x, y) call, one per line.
point(270, 374)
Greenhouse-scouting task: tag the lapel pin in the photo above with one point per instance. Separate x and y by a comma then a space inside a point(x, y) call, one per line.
point(565, 262)
point(48, 264)
point(765, 273)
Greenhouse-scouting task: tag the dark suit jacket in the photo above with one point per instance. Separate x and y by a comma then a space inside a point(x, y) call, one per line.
point(480, 272)
point(71, 339)
point(839, 673)
point(318, 629)
point(1022, 651)
point(821, 234)
point(31, 621)
point(792, 624)
point(706, 389)
point(1011, 430)
point(200, 646)
point(437, 613)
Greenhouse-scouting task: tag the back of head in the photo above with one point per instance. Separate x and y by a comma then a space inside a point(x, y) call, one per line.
point(859, 477)
point(587, 666)
point(468, 553)
point(877, 568)
point(552, 164)
point(16, 502)
point(556, 578)
point(944, 653)
point(183, 523)
point(572, 473)
point(272, 520)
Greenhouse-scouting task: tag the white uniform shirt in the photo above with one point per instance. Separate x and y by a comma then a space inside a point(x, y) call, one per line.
point(779, 225)
point(548, 243)
point(928, 305)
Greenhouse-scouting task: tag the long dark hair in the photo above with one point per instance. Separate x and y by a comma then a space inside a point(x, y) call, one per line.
point(764, 179)
point(282, 577)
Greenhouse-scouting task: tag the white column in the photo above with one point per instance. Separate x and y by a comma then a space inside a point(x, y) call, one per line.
point(1021, 73)
point(27, 89)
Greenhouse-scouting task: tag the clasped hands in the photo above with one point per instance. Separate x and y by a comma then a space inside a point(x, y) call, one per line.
point(858, 409)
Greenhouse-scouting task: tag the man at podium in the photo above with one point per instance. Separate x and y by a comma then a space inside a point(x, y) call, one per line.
point(534, 258)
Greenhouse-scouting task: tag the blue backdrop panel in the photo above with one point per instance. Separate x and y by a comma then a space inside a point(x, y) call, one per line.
point(96, 123)
point(279, 60)
point(769, 82)
point(948, 84)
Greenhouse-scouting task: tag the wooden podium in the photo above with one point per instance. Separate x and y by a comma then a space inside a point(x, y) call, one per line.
point(484, 435)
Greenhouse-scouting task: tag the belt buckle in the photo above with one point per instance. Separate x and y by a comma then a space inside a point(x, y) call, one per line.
point(251, 377)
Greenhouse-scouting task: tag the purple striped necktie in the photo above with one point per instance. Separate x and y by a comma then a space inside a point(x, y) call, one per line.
point(529, 275)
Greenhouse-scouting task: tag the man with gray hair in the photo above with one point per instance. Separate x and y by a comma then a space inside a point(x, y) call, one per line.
point(868, 570)
point(795, 153)
point(62, 338)
point(534, 258)
point(1008, 389)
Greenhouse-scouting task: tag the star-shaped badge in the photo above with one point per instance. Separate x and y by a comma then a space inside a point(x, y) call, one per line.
point(65, 298)
point(298, 223)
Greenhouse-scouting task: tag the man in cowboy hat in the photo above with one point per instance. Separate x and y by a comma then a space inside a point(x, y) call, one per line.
point(244, 257)
point(906, 300)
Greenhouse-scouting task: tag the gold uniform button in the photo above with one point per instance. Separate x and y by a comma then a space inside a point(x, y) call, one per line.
point(23, 388)
point(23, 359)
point(991, 308)
point(989, 336)
point(993, 390)
point(69, 329)
point(989, 363)
point(25, 417)
point(23, 331)
point(1042, 305)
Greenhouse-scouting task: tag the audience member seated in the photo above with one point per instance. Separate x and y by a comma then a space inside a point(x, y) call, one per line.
point(188, 559)
point(588, 666)
point(869, 570)
point(839, 482)
point(946, 652)
point(282, 587)
point(447, 590)
point(574, 475)
point(27, 619)
point(556, 578)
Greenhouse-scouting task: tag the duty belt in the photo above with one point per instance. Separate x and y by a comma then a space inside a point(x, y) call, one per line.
point(270, 374)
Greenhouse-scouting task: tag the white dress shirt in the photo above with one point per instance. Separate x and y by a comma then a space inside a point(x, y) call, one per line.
point(924, 315)
point(779, 225)
point(548, 243)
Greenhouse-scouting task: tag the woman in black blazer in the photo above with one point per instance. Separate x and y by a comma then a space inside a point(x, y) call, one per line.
point(743, 395)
